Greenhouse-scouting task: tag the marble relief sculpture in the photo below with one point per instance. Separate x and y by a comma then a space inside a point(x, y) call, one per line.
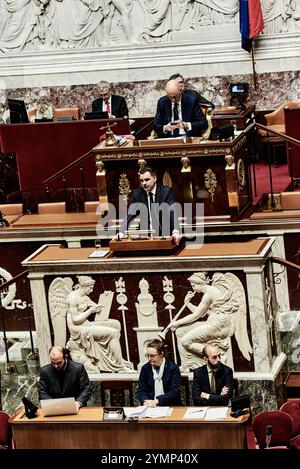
point(207, 12)
point(40, 25)
point(224, 304)
point(97, 342)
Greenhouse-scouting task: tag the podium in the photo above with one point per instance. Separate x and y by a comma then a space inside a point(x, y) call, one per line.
point(139, 246)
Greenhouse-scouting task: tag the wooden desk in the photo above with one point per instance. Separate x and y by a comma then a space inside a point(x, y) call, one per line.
point(87, 430)
point(240, 118)
point(47, 220)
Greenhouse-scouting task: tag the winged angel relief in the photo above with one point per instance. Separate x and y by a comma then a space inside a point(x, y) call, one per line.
point(96, 344)
point(224, 304)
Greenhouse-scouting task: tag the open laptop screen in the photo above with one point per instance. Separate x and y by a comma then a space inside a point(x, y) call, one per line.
point(60, 406)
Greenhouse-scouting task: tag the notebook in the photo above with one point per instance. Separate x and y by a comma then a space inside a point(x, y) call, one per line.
point(61, 406)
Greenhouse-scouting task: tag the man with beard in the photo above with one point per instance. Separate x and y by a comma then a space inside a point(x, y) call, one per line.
point(213, 382)
point(64, 378)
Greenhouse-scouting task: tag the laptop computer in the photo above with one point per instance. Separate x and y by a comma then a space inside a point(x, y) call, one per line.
point(96, 115)
point(60, 406)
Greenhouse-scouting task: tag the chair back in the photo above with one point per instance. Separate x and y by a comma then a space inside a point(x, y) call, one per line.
point(52, 207)
point(116, 392)
point(293, 409)
point(5, 431)
point(281, 424)
point(185, 386)
point(277, 117)
point(66, 114)
point(91, 206)
point(11, 209)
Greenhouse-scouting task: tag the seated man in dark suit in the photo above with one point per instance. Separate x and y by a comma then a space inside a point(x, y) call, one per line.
point(155, 205)
point(113, 104)
point(213, 382)
point(64, 378)
point(203, 102)
point(178, 114)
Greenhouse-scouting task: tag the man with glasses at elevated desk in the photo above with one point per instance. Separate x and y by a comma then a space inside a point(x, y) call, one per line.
point(113, 104)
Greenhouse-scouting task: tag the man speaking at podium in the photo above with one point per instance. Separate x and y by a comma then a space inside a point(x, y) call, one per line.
point(178, 114)
point(155, 205)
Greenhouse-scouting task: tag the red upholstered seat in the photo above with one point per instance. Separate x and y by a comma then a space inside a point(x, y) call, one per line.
point(293, 409)
point(5, 431)
point(281, 423)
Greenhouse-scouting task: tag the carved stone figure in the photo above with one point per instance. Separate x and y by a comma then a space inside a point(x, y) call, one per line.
point(145, 306)
point(158, 20)
point(123, 8)
point(275, 13)
point(21, 24)
point(224, 304)
point(76, 23)
point(98, 340)
point(207, 12)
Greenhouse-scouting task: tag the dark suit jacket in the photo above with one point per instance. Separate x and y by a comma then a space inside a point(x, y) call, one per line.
point(118, 106)
point(224, 377)
point(75, 384)
point(163, 223)
point(171, 382)
point(201, 100)
point(191, 112)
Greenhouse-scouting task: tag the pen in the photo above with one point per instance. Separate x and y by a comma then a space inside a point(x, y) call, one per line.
point(194, 411)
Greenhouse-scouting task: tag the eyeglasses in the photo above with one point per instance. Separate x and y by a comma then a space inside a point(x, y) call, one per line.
point(151, 355)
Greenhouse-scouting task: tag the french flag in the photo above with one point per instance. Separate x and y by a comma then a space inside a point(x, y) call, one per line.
point(251, 21)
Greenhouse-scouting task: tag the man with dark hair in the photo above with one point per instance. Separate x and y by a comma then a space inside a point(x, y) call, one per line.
point(213, 382)
point(113, 104)
point(178, 114)
point(64, 378)
point(155, 205)
point(203, 102)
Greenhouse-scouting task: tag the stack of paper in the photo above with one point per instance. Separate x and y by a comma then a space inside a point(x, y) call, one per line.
point(216, 413)
point(195, 413)
point(157, 412)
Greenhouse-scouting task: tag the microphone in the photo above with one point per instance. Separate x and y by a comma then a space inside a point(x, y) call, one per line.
point(268, 435)
point(144, 127)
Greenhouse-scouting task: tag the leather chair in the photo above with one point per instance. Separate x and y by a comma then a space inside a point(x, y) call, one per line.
point(5, 431)
point(53, 207)
point(66, 114)
point(11, 209)
point(282, 425)
point(275, 121)
point(292, 408)
point(116, 392)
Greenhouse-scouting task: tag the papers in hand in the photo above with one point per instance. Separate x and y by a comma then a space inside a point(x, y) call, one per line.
point(151, 412)
point(216, 413)
point(195, 413)
point(99, 253)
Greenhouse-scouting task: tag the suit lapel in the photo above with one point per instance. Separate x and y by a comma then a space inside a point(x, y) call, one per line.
point(67, 377)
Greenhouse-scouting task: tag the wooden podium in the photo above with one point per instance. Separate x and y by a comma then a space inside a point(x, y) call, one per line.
point(138, 246)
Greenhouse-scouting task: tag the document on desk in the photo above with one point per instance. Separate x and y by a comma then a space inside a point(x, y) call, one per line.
point(157, 412)
point(216, 413)
point(135, 411)
point(195, 413)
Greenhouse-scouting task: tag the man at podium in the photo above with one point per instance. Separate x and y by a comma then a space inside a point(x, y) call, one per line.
point(155, 206)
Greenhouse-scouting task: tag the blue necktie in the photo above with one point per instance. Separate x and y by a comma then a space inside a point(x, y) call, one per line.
point(176, 118)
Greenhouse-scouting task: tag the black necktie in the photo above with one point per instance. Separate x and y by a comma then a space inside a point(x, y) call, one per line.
point(151, 200)
point(176, 118)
